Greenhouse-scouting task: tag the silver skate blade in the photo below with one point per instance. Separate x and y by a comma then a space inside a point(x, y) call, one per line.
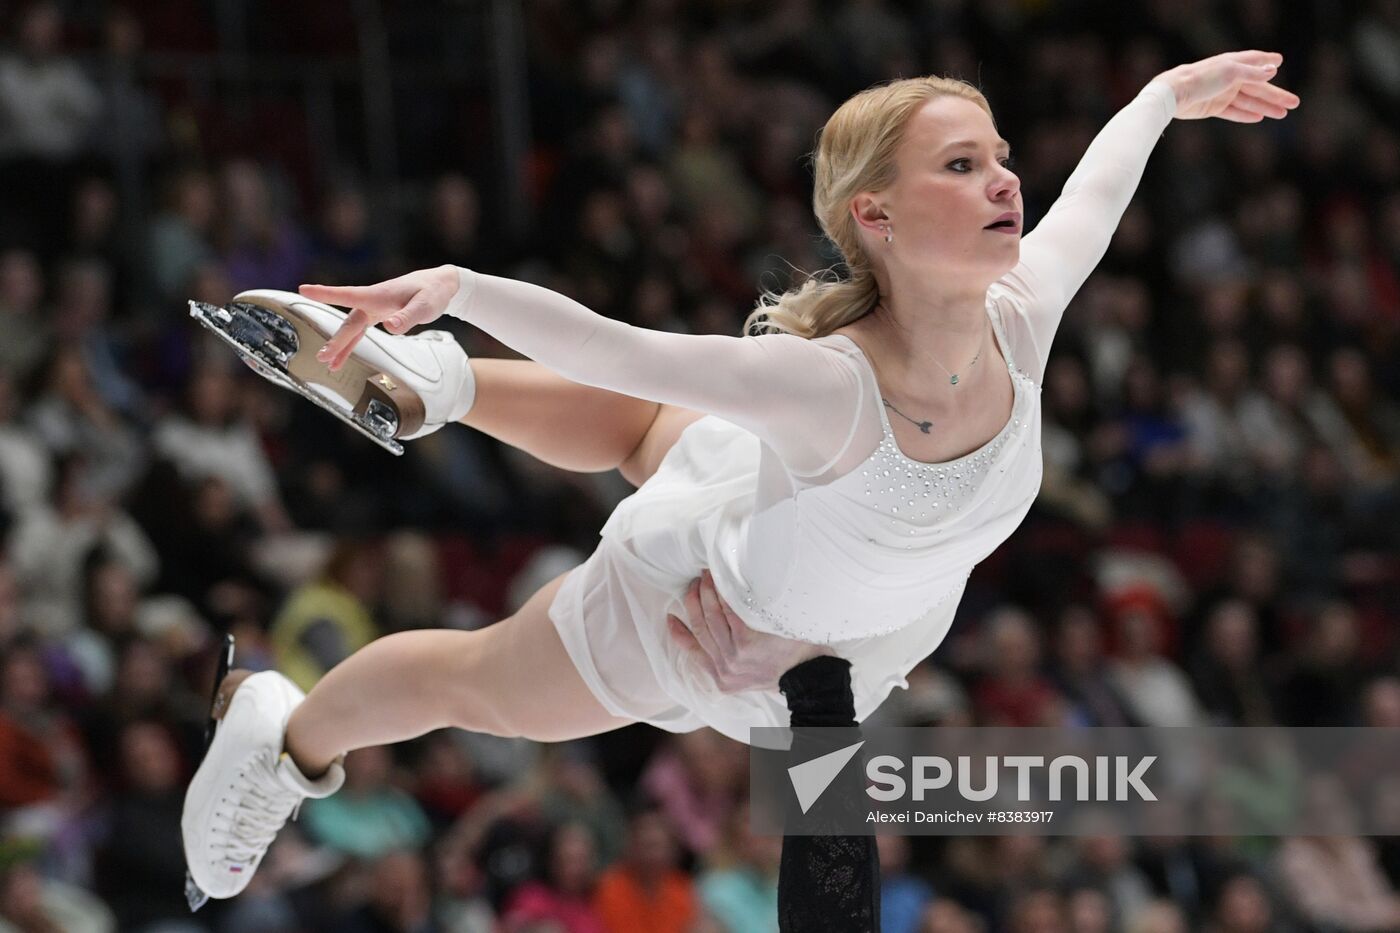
point(233, 325)
point(194, 895)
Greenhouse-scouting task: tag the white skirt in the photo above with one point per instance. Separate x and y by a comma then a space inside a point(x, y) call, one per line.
point(611, 611)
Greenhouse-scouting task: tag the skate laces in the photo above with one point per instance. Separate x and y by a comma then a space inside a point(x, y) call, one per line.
point(263, 806)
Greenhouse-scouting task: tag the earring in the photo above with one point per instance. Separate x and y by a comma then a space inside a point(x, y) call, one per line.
point(889, 237)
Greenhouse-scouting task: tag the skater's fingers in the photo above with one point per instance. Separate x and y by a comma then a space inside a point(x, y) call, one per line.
point(738, 628)
point(1237, 114)
point(714, 615)
point(369, 297)
point(337, 350)
point(689, 644)
point(418, 311)
point(681, 634)
point(696, 611)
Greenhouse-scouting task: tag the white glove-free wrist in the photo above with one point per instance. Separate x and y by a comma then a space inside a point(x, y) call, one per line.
point(461, 303)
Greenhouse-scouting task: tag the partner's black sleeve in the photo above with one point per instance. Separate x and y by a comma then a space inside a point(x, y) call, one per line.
point(827, 882)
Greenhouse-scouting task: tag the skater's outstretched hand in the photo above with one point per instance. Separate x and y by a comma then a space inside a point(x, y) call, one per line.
point(738, 657)
point(1233, 85)
point(399, 304)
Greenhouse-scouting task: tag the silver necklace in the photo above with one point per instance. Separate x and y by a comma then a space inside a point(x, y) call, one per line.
point(924, 426)
point(952, 376)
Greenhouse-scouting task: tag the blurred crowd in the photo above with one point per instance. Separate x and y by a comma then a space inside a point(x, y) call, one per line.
point(1215, 543)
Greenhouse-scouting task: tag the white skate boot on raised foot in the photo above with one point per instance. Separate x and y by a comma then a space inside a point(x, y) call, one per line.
point(246, 787)
point(392, 388)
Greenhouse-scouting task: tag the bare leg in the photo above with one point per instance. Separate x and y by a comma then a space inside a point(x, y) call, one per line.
point(513, 678)
point(572, 426)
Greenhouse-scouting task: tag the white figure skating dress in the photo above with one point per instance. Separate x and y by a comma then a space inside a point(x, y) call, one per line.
point(794, 493)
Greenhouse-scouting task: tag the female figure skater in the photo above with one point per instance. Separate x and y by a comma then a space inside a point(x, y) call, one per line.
point(856, 465)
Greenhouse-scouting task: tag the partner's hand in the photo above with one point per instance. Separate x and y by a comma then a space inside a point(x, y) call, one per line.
point(738, 657)
point(399, 304)
point(1233, 85)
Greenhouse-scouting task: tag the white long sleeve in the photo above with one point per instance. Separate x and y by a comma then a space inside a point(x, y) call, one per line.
point(800, 398)
point(1058, 255)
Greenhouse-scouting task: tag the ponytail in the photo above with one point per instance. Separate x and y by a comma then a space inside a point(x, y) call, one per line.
point(817, 307)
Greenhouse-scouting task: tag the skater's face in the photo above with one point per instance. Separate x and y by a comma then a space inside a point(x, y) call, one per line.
point(953, 181)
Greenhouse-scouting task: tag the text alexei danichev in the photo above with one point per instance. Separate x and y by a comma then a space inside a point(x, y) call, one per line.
point(959, 816)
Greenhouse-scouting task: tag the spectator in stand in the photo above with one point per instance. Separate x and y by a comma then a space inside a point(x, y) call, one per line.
point(48, 107)
point(1228, 681)
point(24, 460)
point(258, 244)
point(574, 792)
point(696, 778)
point(1104, 863)
point(904, 896)
point(44, 775)
point(82, 320)
point(946, 916)
point(1219, 460)
point(1322, 688)
point(213, 437)
point(141, 865)
point(10, 627)
point(739, 889)
point(1157, 917)
point(180, 234)
point(327, 620)
point(400, 898)
point(1154, 451)
point(646, 889)
point(1081, 675)
point(1242, 905)
point(71, 417)
point(25, 330)
point(1088, 909)
point(565, 895)
point(1334, 878)
point(451, 229)
point(31, 902)
point(445, 784)
point(412, 595)
point(1156, 689)
point(51, 544)
point(1013, 693)
point(1036, 910)
point(344, 248)
point(1279, 423)
point(370, 817)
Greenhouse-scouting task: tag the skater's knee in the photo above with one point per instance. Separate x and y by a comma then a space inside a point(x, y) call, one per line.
point(475, 686)
point(516, 680)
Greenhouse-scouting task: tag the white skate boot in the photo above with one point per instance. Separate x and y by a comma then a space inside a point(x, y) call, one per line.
point(246, 787)
point(392, 388)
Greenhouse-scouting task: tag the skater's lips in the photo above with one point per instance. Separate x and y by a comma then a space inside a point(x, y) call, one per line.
point(1011, 220)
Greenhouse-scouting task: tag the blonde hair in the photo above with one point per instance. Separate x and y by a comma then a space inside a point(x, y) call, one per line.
point(855, 153)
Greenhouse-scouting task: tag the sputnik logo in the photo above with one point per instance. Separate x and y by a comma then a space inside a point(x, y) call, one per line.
point(811, 778)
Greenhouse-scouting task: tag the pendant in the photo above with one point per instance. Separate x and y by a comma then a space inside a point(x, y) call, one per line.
point(954, 380)
point(925, 425)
